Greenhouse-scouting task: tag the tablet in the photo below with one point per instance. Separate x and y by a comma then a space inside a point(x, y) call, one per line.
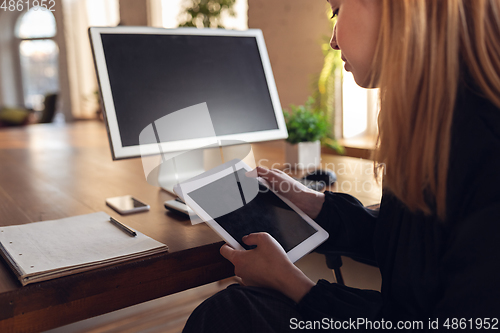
point(234, 205)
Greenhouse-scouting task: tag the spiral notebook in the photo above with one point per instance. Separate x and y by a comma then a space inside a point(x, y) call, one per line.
point(47, 250)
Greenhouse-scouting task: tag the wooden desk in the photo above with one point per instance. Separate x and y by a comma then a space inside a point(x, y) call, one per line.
point(50, 172)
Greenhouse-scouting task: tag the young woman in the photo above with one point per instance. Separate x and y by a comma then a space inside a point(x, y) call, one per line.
point(436, 237)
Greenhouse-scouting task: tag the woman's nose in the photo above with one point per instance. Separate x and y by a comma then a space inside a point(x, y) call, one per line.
point(333, 41)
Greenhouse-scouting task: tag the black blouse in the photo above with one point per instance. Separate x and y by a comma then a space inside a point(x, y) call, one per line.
point(430, 269)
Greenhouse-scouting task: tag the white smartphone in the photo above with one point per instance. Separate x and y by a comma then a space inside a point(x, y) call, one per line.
point(126, 204)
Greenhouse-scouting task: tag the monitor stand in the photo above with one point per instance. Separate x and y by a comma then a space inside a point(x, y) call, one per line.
point(187, 165)
point(192, 163)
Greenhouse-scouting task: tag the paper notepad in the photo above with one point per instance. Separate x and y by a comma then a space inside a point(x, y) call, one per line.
point(46, 250)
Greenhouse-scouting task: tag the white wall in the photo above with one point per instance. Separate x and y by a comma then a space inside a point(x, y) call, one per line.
point(65, 100)
point(10, 83)
point(78, 16)
point(1, 84)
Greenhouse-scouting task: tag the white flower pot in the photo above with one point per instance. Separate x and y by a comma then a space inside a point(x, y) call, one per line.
point(303, 155)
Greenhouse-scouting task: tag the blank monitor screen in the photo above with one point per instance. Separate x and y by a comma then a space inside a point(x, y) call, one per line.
point(152, 75)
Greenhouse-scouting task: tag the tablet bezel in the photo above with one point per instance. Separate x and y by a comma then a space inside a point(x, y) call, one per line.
point(183, 190)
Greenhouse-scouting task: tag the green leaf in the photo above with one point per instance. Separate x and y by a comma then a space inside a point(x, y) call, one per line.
point(305, 123)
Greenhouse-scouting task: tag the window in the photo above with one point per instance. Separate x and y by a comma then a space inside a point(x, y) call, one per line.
point(38, 53)
point(172, 13)
point(359, 109)
point(102, 13)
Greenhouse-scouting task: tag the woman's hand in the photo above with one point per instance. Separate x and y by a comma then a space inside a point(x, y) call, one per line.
point(267, 266)
point(309, 201)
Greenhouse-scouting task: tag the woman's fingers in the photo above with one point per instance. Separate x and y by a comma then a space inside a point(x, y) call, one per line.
point(261, 170)
point(270, 175)
point(264, 173)
point(255, 238)
point(227, 252)
point(252, 174)
point(258, 171)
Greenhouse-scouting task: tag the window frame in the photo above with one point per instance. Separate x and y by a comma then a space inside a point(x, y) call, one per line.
point(16, 49)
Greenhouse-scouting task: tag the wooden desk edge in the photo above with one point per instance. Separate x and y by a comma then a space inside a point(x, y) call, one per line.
point(129, 284)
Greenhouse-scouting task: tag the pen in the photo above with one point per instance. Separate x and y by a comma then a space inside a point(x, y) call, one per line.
point(123, 227)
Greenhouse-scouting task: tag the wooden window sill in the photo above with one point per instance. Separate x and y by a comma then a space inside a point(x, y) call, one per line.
point(360, 147)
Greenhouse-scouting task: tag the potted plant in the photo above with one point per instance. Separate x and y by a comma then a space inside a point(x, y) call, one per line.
point(306, 127)
point(206, 13)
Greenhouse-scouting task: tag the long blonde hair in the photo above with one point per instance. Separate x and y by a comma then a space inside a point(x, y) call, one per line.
point(424, 48)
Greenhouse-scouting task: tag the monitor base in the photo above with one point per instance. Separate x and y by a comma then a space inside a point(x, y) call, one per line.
point(192, 163)
point(187, 165)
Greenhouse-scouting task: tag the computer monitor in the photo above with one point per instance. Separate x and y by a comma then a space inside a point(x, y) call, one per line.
point(147, 73)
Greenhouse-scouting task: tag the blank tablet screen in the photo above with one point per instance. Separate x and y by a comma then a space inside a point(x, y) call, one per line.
point(265, 212)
